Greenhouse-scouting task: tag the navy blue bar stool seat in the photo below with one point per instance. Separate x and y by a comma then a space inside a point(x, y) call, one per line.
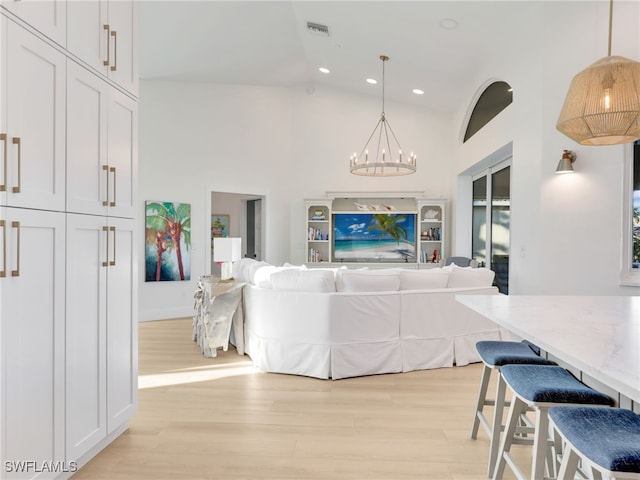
point(607, 440)
point(495, 354)
point(540, 387)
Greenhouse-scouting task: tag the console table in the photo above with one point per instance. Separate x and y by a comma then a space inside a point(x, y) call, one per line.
point(596, 337)
point(218, 307)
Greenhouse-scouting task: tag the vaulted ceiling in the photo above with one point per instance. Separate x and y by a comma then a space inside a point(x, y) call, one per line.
point(268, 43)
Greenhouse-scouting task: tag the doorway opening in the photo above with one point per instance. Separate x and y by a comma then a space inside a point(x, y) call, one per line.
point(237, 215)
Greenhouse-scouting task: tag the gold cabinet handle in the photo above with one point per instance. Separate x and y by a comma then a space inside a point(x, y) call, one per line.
point(113, 202)
point(108, 60)
point(16, 141)
point(113, 262)
point(106, 262)
point(16, 272)
point(3, 138)
point(114, 34)
point(105, 203)
point(3, 272)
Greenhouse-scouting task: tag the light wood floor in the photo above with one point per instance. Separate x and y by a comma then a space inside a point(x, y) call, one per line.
point(218, 418)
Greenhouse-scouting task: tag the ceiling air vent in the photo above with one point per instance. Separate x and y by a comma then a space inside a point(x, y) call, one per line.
point(317, 29)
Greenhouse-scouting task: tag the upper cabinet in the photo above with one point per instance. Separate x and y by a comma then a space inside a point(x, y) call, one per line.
point(49, 17)
point(32, 118)
point(101, 146)
point(104, 35)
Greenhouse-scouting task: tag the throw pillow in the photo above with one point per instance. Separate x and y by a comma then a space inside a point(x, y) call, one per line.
point(361, 281)
point(470, 277)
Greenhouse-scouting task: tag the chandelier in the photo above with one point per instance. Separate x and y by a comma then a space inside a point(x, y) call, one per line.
point(380, 161)
point(603, 103)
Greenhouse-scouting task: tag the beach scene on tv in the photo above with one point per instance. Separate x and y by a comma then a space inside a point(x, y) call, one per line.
point(374, 237)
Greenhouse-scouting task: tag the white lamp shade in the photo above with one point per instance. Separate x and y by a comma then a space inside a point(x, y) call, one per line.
point(228, 249)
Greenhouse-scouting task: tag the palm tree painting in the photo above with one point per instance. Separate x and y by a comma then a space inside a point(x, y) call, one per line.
point(168, 241)
point(390, 225)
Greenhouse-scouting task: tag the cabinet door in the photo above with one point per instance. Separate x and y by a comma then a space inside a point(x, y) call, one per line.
point(32, 324)
point(104, 35)
point(122, 332)
point(122, 154)
point(86, 341)
point(87, 37)
point(101, 146)
point(87, 164)
point(34, 99)
point(123, 68)
point(49, 17)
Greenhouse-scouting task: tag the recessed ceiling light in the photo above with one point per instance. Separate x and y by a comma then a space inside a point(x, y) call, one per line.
point(324, 69)
point(417, 91)
point(448, 23)
point(372, 81)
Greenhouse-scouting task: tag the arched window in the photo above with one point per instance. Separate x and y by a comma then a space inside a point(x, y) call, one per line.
point(495, 98)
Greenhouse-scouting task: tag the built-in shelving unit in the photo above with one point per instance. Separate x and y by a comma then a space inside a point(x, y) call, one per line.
point(421, 243)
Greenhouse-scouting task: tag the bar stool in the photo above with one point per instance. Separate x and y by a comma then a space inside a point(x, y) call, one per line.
point(539, 387)
point(606, 440)
point(495, 354)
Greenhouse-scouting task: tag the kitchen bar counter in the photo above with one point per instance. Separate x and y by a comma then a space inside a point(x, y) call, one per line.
point(596, 335)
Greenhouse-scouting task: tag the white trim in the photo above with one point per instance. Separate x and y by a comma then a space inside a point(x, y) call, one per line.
point(628, 277)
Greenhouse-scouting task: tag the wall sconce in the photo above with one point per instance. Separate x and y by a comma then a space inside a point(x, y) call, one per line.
point(565, 165)
point(226, 250)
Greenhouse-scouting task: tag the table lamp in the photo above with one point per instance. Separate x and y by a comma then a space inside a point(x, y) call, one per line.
point(226, 250)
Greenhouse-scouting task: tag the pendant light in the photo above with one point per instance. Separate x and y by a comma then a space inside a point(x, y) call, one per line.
point(380, 161)
point(603, 103)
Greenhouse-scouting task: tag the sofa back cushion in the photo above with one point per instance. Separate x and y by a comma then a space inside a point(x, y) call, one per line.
point(423, 279)
point(368, 281)
point(303, 280)
point(470, 277)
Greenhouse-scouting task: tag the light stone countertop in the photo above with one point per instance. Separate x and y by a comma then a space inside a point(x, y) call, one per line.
point(598, 335)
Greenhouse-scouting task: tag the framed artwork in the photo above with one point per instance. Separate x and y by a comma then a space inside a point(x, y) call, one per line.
point(167, 241)
point(219, 227)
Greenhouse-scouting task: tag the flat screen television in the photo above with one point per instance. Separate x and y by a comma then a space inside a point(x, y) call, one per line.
point(374, 237)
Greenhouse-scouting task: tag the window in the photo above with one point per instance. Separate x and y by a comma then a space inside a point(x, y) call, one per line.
point(631, 238)
point(495, 98)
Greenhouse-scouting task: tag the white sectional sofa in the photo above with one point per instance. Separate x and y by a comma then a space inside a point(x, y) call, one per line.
point(337, 323)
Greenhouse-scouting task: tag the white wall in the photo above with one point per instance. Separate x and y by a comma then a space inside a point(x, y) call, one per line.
point(566, 229)
point(287, 145)
point(283, 144)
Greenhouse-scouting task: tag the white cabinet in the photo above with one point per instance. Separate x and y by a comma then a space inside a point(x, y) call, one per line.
point(122, 325)
point(32, 325)
point(104, 34)
point(101, 146)
point(48, 16)
point(432, 233)
point(318, 214)
point(32, 121)
point(68, 166)
point(101, 339)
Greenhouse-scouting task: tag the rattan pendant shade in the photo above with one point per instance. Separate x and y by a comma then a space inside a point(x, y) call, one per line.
point(603, 103)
